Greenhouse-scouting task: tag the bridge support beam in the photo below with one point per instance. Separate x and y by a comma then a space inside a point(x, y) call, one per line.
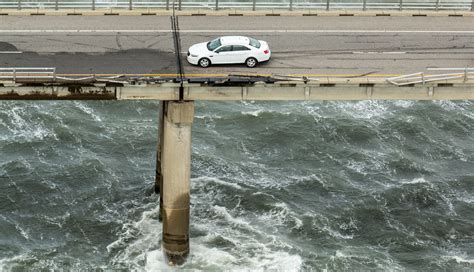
point(176, 171)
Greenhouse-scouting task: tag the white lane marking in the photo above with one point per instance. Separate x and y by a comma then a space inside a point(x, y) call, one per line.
point(374, 52)
point(11, 52)
point(230, 31)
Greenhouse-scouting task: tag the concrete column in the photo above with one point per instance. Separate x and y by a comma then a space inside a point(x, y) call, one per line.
point(159, 152)
point(176, 165)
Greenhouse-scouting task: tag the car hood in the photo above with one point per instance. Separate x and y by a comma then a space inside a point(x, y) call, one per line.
point(198, 49)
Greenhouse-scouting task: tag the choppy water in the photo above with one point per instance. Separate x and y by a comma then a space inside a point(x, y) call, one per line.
point(275, 186)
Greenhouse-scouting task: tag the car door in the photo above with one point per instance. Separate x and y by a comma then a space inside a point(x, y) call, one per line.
point(241, 53)
point(222, 54)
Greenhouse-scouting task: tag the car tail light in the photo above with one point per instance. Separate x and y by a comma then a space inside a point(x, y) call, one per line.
point(266, 51)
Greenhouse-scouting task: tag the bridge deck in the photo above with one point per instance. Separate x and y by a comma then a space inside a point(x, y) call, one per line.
point(323, 89)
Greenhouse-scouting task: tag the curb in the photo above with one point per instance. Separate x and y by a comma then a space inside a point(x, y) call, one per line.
point(233, 12)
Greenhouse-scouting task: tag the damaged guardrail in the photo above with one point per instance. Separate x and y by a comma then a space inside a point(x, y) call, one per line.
point(463, 73)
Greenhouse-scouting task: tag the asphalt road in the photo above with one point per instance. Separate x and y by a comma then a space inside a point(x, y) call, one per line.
point(300, 45)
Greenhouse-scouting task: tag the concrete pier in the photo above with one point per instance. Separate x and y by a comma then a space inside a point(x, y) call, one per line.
point(175, 189)
point(159, 151)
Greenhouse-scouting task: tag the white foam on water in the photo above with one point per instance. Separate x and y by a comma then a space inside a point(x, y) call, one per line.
point(337, 234)
point(8, 263)
point(137, 238)
point(466, 198)
point(404, 103)
point(415, 181)
point(456, 106)
point(25, 129)
point(255, 112)
point(215, 180)
point(322, 223)
point(22, 231)
point(205, 258)
point(281, 215)
point(88, 110)
point(208, 116)
point(224, 213)
point(382, 259)
point(139, 248)
point(366, 109)
point(460, 259)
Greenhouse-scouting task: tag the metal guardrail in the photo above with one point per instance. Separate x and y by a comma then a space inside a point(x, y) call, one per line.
point(48, 75)
point(463, 73)
point(15, 74)
point(248, 4)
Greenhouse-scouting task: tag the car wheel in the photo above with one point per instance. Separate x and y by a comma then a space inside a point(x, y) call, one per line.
point(251, 62)
point(204, 62)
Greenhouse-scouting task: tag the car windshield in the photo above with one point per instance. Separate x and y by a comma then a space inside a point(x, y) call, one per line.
point(214, 44)
point(255, 43)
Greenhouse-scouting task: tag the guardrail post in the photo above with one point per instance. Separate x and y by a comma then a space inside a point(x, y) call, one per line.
point(364, 5)
point(56, 4)
point(401, 5)
point(130, 4)
point(19, 4)
point(437, 5)
point(327, 5)
point(291, 5)
point(167, 4)
point(217, 4)
point(14, 75)
point(472, 5)
point(179, 5)
point(254, 4)
point(93, 4)
point(465, 74)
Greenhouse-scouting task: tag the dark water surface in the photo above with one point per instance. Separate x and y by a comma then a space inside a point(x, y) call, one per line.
point(275, 186)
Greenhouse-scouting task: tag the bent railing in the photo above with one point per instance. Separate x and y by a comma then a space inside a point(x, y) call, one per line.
point(461, 73)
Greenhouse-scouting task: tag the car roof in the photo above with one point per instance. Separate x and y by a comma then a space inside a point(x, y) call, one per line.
point(232, 40)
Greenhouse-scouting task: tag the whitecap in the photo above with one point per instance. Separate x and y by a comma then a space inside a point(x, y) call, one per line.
point(281, 214)
point(415, 181)
point(217, 181)
point(254, 113)
point(88, 111)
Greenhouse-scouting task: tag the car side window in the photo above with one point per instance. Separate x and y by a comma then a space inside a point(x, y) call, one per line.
point(226, 48)
point(240, 48)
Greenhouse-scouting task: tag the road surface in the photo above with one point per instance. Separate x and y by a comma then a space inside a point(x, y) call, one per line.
point(314, 46)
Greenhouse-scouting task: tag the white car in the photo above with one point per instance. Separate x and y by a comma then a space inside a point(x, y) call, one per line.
point(229, 49)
